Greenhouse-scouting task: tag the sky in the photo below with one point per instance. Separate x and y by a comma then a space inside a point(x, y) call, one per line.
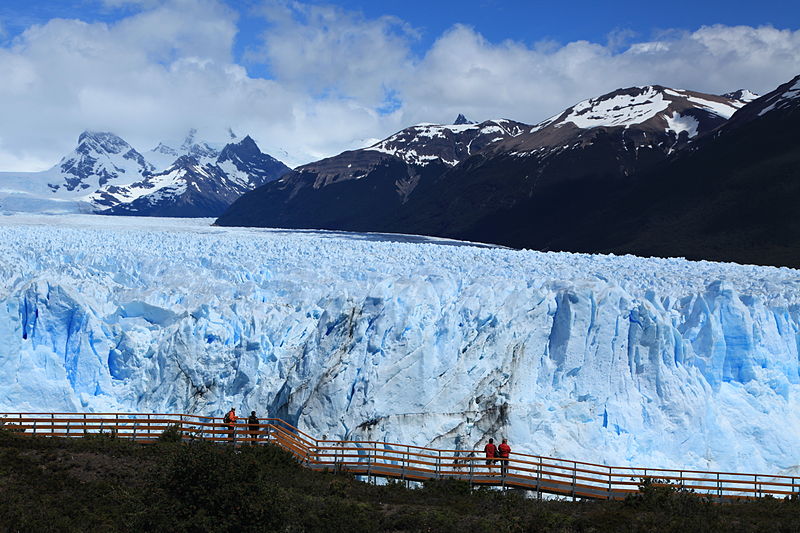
point(309, 79)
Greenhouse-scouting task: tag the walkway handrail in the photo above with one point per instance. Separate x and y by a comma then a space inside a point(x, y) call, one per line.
point(409, 462)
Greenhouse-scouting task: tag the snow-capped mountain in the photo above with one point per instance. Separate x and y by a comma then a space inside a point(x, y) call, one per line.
point(743, 95)
point(527, 190)
point(732, 196)
point(616, 360)
point(645, 118)
point(356, 189)
point(783, 100)
point(166, 153)
point(449, 144)
point(633, 184)
point(192, 188)
point(99, 159)
point(246, 165)
point(105, 174)
point(479, 173)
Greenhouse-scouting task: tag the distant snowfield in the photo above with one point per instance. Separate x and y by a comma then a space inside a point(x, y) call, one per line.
point(620, 360)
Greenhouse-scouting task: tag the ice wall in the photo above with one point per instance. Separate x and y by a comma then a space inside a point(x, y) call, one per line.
point(607, 359)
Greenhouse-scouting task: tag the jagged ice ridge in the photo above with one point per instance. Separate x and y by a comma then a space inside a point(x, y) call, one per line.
point(620, 360)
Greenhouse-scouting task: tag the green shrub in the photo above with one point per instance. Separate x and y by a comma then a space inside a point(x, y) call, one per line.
point(173, 433)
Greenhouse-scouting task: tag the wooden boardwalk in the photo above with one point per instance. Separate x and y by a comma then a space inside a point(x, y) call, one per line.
point(541, 474)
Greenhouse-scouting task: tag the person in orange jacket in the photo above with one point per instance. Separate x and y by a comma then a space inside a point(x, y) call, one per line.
point(230, 420)
point(491, 452)
point(503, 452)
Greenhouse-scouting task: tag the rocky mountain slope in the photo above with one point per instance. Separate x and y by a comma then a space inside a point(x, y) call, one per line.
point(530, 190)
point(358, 189)
point(499, 182)
point(191, 187)
point(732, 197)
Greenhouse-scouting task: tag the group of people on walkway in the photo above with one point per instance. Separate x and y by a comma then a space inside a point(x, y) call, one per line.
point(253, 427)
point(494, 454)
point(499, 454)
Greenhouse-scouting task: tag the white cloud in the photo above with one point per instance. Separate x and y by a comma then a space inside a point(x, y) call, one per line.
point(464, 72)
point(334, 75)
point(326, 50)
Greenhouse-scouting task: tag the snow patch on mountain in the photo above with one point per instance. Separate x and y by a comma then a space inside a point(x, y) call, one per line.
point(629, 107)
point(620, 110)
point(680, 123)
point(742, 95)
point(722, 109)
point(783, 99)
point(410, 142)
point(620, 360)
point(165, 154)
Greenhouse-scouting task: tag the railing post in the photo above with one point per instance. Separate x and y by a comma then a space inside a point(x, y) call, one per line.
point(148, 426)
point(369, 465)
point(52, 423)
point(439, 465)
point(84, 424)
point(539, 480)
point(719, 487)
point(574, 478)
point(471, 469)
point(755, 486)
point(34, 425)
point(609, 482)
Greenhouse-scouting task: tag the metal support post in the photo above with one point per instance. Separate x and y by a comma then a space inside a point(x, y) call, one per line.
point(574, 478)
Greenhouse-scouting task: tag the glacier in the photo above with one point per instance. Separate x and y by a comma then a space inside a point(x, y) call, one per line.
point(615, 360)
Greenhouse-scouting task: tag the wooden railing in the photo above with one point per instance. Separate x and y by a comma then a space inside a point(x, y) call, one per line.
point(406, 462)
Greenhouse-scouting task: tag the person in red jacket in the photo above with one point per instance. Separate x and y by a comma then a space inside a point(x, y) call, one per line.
point(491, 452)
point(503, 452)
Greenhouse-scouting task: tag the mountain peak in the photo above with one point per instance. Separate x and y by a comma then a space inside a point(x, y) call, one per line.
point(99, 136)
point(243, 147)
point(638, 105)
point(743, 95)
point(247, 141)
point(185, 161)
point(102, 141)
point(461, 119)
point(189, 141)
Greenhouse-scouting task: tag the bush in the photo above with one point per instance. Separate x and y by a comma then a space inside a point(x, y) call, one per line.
point(660, 494)
point(173, 433)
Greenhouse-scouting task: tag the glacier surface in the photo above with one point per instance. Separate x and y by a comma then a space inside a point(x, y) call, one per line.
point(615, 360)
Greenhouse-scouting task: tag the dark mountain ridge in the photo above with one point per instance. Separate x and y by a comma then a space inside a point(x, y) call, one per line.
point(359, 190)
point(548, 187)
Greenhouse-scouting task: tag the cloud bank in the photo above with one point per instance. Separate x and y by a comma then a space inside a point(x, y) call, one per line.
point(335, 79)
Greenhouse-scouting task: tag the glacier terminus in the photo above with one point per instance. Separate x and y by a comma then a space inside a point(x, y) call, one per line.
point(610, 359)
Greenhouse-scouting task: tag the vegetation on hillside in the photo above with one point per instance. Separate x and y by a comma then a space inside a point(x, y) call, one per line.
point(101, 483)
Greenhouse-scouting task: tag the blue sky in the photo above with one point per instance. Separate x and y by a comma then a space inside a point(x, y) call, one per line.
point(497, 20)
point(310, 78)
